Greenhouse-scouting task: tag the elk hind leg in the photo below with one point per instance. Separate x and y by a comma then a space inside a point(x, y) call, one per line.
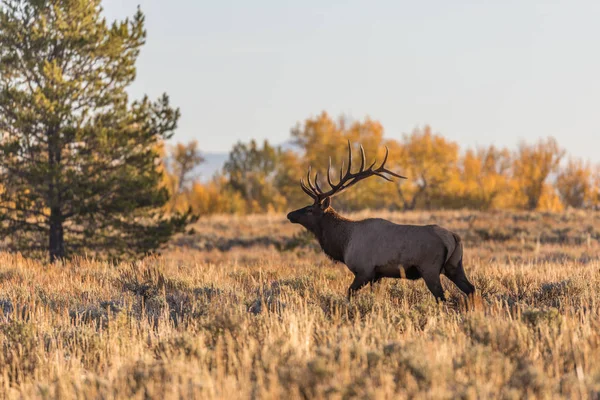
point(458, 277)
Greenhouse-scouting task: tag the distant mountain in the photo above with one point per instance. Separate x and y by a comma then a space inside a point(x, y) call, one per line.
point(213, 163)
point(290, 145)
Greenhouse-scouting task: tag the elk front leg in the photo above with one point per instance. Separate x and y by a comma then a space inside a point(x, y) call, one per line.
point(357, 284)
point(432, 280)
point(435, 287)
point(375, 281)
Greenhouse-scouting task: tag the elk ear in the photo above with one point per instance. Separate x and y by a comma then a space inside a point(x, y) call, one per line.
point(326, 203)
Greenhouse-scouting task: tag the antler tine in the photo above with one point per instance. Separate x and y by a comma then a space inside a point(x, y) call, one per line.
point(387, 152)
point(382, 176)
point(309, 182)
point(363, 159)
point(385, 170)
point(307, 190)
point(329, 174)
point(317, 184)
point(349, 158)
point(347, 179)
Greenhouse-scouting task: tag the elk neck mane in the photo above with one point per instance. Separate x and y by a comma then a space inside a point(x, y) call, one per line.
point(333, 233)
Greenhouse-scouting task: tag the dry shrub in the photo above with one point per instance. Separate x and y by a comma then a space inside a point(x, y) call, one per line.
point(249, 321)
point(19, 355)
point(509, 337)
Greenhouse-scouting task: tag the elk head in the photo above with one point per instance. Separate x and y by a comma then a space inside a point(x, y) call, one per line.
point(310, 216)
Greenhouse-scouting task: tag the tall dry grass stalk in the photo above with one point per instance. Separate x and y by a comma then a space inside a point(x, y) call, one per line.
point(246, 308)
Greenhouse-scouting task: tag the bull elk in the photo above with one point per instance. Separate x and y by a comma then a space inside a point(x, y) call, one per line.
point(376, 248)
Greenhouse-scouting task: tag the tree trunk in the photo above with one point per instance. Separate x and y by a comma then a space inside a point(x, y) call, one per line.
point(532, 202)
point(56, 242)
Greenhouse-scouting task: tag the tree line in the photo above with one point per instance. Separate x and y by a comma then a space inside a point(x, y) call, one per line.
point(261, 178)
point(84, 169)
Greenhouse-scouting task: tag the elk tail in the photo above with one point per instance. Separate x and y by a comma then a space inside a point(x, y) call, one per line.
point(454, 254)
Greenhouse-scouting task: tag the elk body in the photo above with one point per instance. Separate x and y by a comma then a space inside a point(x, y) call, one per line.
point(376, 248)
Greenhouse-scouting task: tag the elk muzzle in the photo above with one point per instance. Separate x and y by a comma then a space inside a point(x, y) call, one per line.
point(293, 216)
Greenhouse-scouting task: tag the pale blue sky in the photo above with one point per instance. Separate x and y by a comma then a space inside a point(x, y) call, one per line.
point(479, 72)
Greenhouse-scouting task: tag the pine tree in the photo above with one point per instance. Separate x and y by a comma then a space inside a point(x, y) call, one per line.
point(79, 162)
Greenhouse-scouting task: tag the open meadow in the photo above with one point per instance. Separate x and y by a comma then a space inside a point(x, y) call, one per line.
point(248, 307)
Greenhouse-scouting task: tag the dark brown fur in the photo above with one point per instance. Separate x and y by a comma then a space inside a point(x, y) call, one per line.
point(423, 252)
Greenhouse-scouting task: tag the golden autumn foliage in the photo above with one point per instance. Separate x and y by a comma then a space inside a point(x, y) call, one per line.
point(595, 190)
point(429, 161)
point(251, 172)
point(179, 163)
point(484, 182)
point(210, 198)
point(185, 157)
point(441, 175)
point(532, 166)
point(575, 185)
point(291, 167)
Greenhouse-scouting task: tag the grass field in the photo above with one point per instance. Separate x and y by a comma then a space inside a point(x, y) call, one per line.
point(247, 307)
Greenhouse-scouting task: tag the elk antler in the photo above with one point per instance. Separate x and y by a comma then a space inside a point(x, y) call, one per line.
point(348, 179)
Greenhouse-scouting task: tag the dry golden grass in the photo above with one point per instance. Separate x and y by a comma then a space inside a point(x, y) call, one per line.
point(244, 307)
